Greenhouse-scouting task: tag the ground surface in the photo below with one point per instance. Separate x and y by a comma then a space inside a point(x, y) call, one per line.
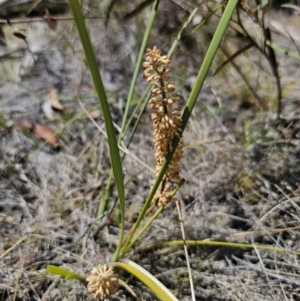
point(241, 167)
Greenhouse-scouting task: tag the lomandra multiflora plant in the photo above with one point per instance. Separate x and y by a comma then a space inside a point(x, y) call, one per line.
point(167, 125)
point(103, 281)
point(166, 118)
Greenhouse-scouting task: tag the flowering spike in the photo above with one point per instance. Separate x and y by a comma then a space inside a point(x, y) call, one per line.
point(166, 121)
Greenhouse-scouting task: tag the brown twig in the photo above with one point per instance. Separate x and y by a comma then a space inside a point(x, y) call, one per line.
point(39, 19)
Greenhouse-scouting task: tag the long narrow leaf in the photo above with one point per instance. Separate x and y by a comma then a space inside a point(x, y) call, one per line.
point(112, 140)
point(156, 287)
point(179, 35)
point(124, 128)
point(217, 244)
point(279, 49)
point(65, 273)
point(138, 64)
point(210, 54)
point(131, 240)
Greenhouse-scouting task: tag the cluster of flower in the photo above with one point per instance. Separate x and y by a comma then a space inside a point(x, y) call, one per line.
point(166, 118)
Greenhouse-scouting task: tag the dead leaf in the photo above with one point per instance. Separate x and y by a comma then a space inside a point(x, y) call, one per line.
point(41, 131)
point(26, 124)
point(52, 23)
point(53, 95)
point(45, 133)
point(95, 113)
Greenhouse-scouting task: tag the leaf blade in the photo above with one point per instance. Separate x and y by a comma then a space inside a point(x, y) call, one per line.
point(149, 280)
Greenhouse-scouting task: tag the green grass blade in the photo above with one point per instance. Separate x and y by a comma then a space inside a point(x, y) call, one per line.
point(138, 64)
point(156, 287)
point(279, 49)
point(112, 140)
point(64, 273)
point(210, 54)
point(142, 105)
point(125, 127)
point(207, 18)
point(217, 244)
point(179, 35)
point(103, 201)
point(142, 214)
point(131, 240)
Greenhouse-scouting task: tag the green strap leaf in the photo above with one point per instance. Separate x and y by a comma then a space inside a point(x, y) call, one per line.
point(112, 139)
point(156, 286)
point(65, 273)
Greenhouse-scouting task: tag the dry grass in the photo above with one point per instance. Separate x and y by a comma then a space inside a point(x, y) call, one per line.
point(241, 171)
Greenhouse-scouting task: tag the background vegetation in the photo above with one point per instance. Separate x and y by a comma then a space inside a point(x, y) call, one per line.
point(240, 160)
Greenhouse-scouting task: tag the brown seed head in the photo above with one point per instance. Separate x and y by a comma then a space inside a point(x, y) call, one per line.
point(166, 121)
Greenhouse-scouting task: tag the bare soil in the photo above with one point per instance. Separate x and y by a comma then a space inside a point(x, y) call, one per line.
point(241, 164)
